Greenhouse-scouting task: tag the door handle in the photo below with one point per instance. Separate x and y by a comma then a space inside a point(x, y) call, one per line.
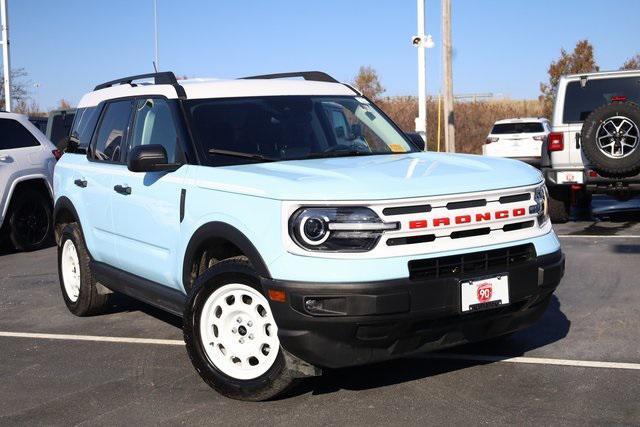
point(122, 189)
point(4, 158)
point(82, 183)
point(578, 136)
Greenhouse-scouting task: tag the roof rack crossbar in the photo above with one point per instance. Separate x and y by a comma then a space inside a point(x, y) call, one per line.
point(317, 76)
point(162, 78)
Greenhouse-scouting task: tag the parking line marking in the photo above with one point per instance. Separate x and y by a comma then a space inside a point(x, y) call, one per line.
point(91, 338)
point(600, 236)
point(535, 361)
point(441, 356)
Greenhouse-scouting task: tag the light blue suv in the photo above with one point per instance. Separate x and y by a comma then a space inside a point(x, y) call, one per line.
point(293, 226)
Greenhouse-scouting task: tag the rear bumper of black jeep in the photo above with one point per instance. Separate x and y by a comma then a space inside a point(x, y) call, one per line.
point(382, 320)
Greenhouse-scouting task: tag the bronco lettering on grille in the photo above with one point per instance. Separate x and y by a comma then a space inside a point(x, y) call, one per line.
point(468, 219)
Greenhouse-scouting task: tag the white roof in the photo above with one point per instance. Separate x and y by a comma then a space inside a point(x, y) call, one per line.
point(15, 116)
point(602, 74)
point(522, 120)
point(213, 88)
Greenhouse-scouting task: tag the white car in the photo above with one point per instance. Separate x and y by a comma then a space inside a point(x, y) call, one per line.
point(519, 139)
point(27, 159)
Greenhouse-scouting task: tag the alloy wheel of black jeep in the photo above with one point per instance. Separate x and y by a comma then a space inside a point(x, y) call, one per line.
point(611, 139)
point(29, 220)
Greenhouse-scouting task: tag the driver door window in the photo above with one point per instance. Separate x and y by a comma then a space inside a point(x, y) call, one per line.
point(154, 125)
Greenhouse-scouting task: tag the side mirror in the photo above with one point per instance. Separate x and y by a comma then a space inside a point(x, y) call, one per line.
point(340, 133)
point(149, 158)
point(356, 131)
point(416, 139)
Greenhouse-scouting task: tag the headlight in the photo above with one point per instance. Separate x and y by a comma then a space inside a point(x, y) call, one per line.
point(541, 198)
point(337, 229)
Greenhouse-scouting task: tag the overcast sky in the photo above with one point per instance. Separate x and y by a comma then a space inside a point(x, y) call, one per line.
point(500, 46)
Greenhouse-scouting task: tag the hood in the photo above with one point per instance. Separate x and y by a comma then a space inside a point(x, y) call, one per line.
point(380, 177)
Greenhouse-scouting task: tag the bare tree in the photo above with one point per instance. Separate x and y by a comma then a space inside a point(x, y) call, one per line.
point(368, 82)
point(581, 60)
point(63, 104)
point(28, 107)
point(19, 85)
point(632, 63)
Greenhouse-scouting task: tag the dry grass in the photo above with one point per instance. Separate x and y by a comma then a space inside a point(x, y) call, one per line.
point(473, 119)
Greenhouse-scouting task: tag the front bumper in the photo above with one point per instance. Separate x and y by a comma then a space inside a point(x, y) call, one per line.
point(387, 319)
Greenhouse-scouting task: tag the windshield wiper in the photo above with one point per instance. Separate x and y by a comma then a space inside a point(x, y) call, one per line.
point(340, 153)
point(253, 156)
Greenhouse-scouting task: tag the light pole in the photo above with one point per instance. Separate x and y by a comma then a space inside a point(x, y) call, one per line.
point(156, 63)
point(5, 55)
point(422, 41)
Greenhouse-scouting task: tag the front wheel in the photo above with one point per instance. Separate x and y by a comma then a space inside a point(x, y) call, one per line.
point(231, 335)
point(29, 220)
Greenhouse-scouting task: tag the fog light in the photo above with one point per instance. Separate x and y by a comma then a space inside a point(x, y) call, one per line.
point(327, 306)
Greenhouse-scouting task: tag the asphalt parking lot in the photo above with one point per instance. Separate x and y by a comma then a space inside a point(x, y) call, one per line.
point(579, 365)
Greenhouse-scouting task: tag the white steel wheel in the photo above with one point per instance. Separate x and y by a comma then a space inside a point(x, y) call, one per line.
point(238, 332)
point(70, 266)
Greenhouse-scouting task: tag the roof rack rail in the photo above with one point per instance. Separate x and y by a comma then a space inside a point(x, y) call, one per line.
point(162, 78)
point(317, 76)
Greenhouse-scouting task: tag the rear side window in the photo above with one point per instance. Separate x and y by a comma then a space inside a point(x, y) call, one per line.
point(112, 132)
point(83, 126)
point(59, 126)
point(14, 135)
point(532, 127)
point(580, 101)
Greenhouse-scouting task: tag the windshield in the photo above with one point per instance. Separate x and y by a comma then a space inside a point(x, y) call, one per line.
point(291, 128)
point(504, 128)
point(580, 101)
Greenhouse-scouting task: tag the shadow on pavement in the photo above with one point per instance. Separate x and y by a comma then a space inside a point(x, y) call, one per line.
point(120, 303)
point(553, 327)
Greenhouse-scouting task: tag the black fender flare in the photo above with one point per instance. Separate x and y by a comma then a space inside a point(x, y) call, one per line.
point(63, 203)
point(225, 231)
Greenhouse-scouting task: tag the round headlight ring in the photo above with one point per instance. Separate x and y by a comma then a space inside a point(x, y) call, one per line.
point(314, 230)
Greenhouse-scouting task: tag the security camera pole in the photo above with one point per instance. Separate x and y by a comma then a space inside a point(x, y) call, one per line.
point(422, 42)
point(5, 55)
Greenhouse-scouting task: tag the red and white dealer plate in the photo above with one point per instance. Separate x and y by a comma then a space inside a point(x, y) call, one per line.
point(486, 293)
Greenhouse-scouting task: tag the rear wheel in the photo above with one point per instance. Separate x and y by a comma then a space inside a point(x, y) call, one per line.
point(559, 204)
point(82, 295)
point(29, 220)
point(231, 335)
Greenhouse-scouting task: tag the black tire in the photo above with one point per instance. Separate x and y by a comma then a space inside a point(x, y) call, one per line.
point(628, 165)
point(92, 297)
point(29, 222)
point(583, 203)
point(277, 379)
point(559, 205)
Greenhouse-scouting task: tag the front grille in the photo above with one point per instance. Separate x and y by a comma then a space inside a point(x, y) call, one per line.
point(477, 263)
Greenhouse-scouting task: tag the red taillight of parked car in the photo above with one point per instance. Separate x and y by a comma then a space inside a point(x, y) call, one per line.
point(57, 154)
point(490, 140)
point(556, 141)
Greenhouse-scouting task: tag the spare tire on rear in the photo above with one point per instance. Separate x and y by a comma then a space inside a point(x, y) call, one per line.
point(611, 139)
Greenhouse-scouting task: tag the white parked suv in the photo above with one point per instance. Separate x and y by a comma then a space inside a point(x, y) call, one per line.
point(519, 139)
point(27, 159)
point(594, 145)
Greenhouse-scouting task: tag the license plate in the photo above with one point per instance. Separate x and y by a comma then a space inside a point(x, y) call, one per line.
point(570, 178)
point(486, 293)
